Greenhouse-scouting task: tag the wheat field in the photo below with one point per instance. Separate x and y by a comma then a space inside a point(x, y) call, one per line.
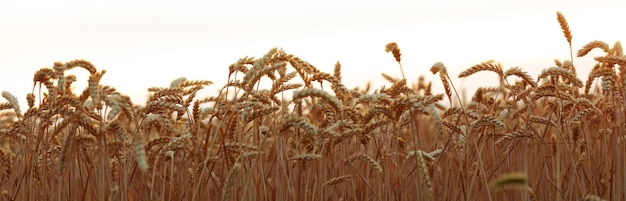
point(306, 136)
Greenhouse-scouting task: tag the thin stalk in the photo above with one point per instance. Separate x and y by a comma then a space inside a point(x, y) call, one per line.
point(366, 183)
point(480, 160)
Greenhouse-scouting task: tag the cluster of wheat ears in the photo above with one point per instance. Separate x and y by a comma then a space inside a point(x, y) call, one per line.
point(309, 137)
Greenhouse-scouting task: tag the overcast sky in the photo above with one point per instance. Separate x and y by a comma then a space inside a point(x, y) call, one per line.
point(149, 43)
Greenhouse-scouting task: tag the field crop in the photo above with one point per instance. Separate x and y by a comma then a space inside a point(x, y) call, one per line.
point(306, 136)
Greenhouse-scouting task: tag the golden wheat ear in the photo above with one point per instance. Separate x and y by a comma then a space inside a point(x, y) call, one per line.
point(564, 26)
point(443, 75)
point(568, 35)
point(395, 50)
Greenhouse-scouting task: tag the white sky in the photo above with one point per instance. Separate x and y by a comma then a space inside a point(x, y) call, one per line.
point(149, 43)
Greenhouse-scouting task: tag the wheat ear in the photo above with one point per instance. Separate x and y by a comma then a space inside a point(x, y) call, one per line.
point(336, 180)
point(512, 179)
point(568, 35)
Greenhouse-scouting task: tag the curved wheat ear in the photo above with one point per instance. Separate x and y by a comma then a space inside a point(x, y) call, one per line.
point(394, 49)
point(581, 115)
point(443, 73)
point(255, 74)
point(261, 112)
point(512, 179)
point(488, 121)
point(240, 65)
point(602, 72)
point(564, 73)
point(378, 110)
point(293, 120)
point(541, 120)
point(339, 89)
point(564, 26)
point(487, 65)
point(389, 78)
point(521, 74)
point(335, 103)
point(370, 161)
point(512, 135)
point(610, 59)
point(593, 45)
point(81, 63)
point(336, 180)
